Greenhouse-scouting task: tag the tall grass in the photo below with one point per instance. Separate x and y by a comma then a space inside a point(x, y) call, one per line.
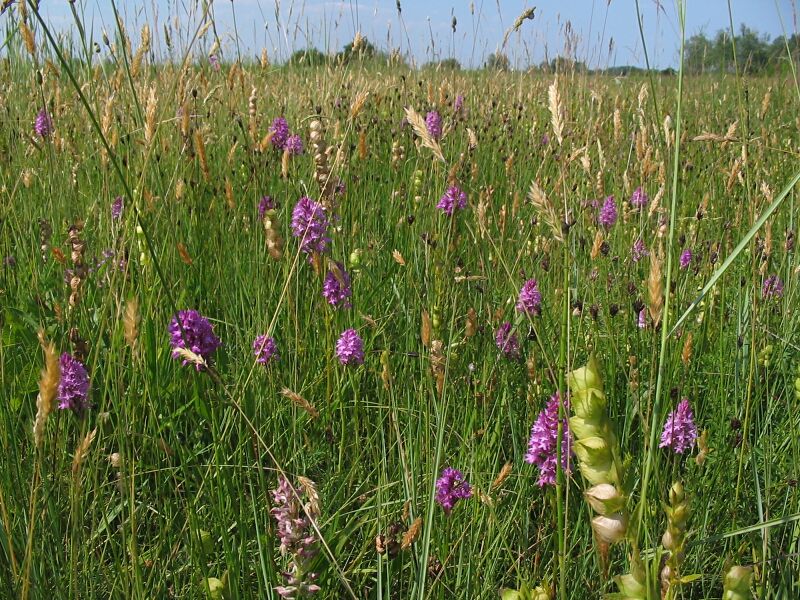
point(162, 488)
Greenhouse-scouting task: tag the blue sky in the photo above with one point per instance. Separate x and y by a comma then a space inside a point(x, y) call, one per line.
point(604, 32)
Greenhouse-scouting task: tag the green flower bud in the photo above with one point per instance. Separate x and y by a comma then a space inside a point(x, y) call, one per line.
point(595, 459)
point(355, 258)
point(584, 428)
point(586, 377)
point(737, 583)
point(676, 493)
point(630, 587)
point(214, 587)
point(680, 515)
point(589, 404)
point(667, 540)
point(206, 541)
point(634, 585)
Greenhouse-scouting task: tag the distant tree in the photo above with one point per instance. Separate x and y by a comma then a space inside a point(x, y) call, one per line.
point(310, 57)
point(447, 64)
point(623, 71)
point(754, 52)
point(778, 50)
point(497, 61)
point(561, 64)
point(695, 52)
point(752, 49)
point(366, 51)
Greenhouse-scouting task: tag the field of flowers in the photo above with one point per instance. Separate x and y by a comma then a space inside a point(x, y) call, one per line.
point(363, 331)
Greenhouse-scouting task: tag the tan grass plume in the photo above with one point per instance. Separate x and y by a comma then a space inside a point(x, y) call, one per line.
point(298, 400)
point(556, 111)
point(48, 387)
point(654, 288)
point(131, 321)
point(546, 209)
point(418, 123)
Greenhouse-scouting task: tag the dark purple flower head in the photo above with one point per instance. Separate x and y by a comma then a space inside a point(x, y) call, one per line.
point(433, 122)
point(459, 103)
point(641, 319)
point(545, 139)
point(507, 341)
point(9, 261)
point(530, 299)
point(310, 225)
point(608, 213)
point(638, 250)
point(544, 441)
point(265, 350)
point(350, 348)
point(73, 387)
point(117, 207)
point(43, 125)
point(451, 487)
point(336, 288)
point(280, 132)
point(686, 258)
point(639, 198)
point(214, 60)
point(680, 432)
point(266, 203)
point(294, 144)
point(772, 287)
point(452, 199)
point(197, 335)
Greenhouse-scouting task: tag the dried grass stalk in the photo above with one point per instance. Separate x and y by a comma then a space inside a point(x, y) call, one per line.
point(131, 321)
point(298, 400)
point(425, 329)
point(48, 387)
point(546, 209)
point(556, 111)
point(654, 289)
point(82, 451)
point(418, 123)
point(501, 476)
point(686, 353)
point(410, 536)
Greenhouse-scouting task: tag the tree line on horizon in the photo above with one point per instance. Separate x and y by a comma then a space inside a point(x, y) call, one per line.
point(755, 53)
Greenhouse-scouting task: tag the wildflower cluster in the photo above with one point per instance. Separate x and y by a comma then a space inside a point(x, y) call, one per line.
point(451, 487)
point(543, 442)
point(298, 541)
